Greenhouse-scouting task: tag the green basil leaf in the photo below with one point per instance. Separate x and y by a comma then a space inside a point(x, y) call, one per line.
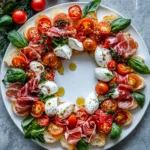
point(138, 65)
point(17, 39)
point(115, 131)
point(45, 98)
point(59, 41)
point(120, 24)
point(90, 7)
point(27, 121)
point(39, 138)
point(6, 21)
point(15, 75)
point(82, 145)
point(139, 97)
point(115, 55)
point(110, 112)
point(43, 77)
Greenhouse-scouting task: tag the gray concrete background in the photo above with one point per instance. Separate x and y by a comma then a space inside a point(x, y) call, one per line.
point(139, 11)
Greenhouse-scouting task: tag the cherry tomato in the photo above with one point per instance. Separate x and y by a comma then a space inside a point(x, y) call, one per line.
point(85, 25)
point(101, 88)
point(123, 69)
point(108, 104)
point(81, 36)
point(104, 127)
point(106, 43)
point(72, 121)
point(50, 59)
point(38, 5)
point(104, 27)
point(19, 62)
point(33, 34)
point(72, 31)
point(96, 35)
point(81, 114)
point(44, 120)
point(75, 12)
point(55, 130)
point(19, 16)
point(89, 44)
point(37, 109)
point(112, 65)
point(44, 24)
point(120, 117)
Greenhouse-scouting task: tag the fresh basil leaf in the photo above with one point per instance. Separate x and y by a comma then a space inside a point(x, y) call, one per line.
point(59, 41)
point(39, 138)
point(15, 75)
point(115, 55)
point(138, 65)
point(120, 24)
point(17, 39)
point(110, 112)
point(43, 77)
point(27, 121)
point(139, 97)
point(90, 7)
point(5, 21)
point(110, 76)
point(82, 145)
point(45, 98)
point(115, 131)
point(61, 24)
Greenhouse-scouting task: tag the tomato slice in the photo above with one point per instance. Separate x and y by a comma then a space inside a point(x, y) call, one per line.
point(108, 104)
point(104, 127)
point(19, 62)
point(104, 27)
point(33, 34)
point(72, 121)
point(55, 130)
point(81, 36)
point(89, 44)
point(75, 12)
point(85, 25)
point(44, 24)
point(81, 114)
point(120, 117)
point(123, 69)
point(44, 120)
point(37, 109)
point(101, 88)
point(112, 65)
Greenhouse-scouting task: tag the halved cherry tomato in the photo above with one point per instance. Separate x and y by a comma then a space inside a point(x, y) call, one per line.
point(72, 31)
point(72, 121)
point(123, 69)
point(134, 80)
point(37, 109)
point(44, 24)
point(120, 117)
point(44, 120)
point(108, 104)
point(75, 12)
point(55, 130)
point(104, 127)
point(19, 62)
point(81, 36)
point(50, 59)
point(81, 114)
point(104, 27)
point(112, 65)
point(19, 16)
point(33, 34)
point(101, 88)
point(38, 5)
point(89, 44)
point(85, 25)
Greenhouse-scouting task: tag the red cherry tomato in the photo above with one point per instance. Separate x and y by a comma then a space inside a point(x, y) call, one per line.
point(104, 127)
point(37, 109)
point(75, 12)
point(38, 5)
point(104, 27)
point(72, 121)
point(19, 16)
point(81, 114)
point(101, 88)
point(19, 62)
point(44, 120)
point(123, 69)
point(112, 65)
point(44, 24)
point(89, 44)
point(33, 34)
point(81, 36)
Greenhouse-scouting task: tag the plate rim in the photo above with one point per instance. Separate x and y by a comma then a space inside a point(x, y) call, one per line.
point(59, 5)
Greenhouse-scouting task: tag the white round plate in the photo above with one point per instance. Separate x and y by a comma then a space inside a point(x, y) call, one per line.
point(82, 81)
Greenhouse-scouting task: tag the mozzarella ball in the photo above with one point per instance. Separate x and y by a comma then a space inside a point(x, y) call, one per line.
point(102, 56)
point(36, 66)
point(51, 106)
point(103, 74)
point(91, 103)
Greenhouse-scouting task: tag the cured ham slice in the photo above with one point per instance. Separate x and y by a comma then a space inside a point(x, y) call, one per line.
point(74, 135)
point(123, 44)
